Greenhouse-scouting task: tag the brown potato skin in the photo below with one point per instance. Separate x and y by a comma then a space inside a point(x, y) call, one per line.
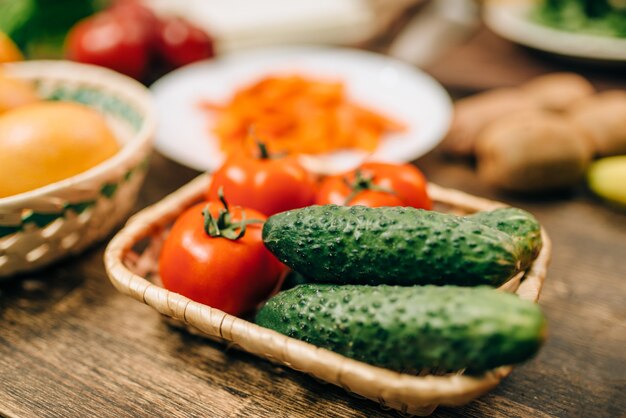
point(554, 92)
point(472, 114)
point(557, 91)
point(532, 151)
point(603, 118)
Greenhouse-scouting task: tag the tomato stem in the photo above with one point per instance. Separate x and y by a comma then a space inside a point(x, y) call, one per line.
point(363, 181)
point(224, 226)
point(263, 153)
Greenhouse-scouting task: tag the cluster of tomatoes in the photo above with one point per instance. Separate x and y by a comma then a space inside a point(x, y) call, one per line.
point(215, 254)
point(129, 38)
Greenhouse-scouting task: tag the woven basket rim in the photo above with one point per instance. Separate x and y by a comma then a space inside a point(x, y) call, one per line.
point(394, 388)
point(96, 76)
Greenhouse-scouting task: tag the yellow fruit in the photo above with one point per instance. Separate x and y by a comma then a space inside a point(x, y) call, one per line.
point(607, 179)
point(15, 93)
point(9, 52)
point(46, 142)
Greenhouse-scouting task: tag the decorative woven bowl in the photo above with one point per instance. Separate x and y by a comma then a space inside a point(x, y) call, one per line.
point(45, 224)
point(131, 263)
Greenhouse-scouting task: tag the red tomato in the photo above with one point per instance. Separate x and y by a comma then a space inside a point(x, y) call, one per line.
point(180, 43)
point(335, 190)
point(106, 40)
point(269, 185)
point(233, 275)
point(135, 13)
point(377, 184)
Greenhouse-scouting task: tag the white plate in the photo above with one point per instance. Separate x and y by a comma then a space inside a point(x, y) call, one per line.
point(392, 87)
point(238, 24)
point(511, 21)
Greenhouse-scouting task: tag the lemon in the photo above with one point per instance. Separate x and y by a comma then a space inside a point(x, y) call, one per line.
point(15, 93)
point(46, 142)
point(607, 179)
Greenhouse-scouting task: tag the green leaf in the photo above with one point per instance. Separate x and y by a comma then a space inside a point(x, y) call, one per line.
point(14, 18)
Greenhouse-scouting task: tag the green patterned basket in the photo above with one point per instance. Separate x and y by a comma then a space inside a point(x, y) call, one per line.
point(48, 223)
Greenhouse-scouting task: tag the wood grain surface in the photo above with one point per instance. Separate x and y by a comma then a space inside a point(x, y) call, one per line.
point(71, 346)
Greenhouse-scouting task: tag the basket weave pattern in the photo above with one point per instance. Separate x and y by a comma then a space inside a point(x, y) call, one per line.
point(34, 246)
point(46, 224)
point(132, 271)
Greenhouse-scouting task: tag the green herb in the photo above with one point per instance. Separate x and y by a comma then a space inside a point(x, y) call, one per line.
point(598, 17)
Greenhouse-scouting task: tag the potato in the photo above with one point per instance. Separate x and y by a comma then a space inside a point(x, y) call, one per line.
point(472, 114)
point(557, 91)
point(603, 118)
point(532, 151)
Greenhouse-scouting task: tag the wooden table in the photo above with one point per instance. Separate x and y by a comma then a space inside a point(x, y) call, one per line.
point(70, 345)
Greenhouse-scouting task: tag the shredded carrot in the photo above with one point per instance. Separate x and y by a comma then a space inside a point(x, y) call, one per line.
point(293, 114)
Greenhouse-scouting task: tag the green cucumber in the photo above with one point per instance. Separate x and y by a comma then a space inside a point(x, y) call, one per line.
point(410, 329)
point(391, 245)
point(520, 225)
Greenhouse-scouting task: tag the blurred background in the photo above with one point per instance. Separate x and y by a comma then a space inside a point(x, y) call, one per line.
point(419, 31)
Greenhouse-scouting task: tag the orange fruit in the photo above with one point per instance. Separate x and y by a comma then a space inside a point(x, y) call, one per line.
point(9, 52)
point(15, 93)
point(45, 142)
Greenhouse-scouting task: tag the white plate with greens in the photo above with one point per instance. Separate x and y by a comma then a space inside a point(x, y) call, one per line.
point(576, 36)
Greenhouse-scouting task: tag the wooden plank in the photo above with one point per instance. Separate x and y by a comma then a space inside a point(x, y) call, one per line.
point(70, 345)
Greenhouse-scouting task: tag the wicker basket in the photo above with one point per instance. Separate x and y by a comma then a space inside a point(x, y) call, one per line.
point(45, 224)
point(131, 257)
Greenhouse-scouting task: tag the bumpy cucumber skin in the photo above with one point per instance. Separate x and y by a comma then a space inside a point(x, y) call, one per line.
point(391, 245)
point(520, 225)
point(410, 329)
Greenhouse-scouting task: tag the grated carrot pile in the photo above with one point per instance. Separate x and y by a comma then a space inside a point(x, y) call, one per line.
point(293, 114)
